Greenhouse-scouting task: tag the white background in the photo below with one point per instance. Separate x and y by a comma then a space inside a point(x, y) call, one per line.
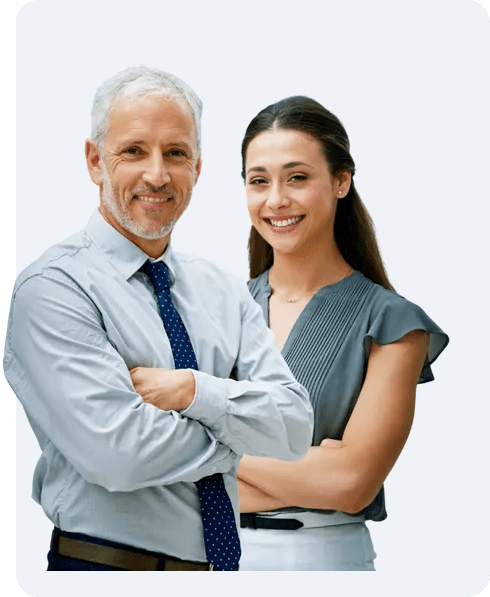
point(410, 83)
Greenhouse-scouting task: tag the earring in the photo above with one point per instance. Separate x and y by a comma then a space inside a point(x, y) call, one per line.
point(340, 192)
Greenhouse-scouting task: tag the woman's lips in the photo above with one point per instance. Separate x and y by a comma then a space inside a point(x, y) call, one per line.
point(283, 224)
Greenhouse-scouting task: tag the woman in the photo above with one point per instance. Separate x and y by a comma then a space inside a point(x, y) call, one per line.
point(358, 347)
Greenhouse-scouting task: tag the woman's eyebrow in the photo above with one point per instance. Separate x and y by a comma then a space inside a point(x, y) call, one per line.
point(295, 165)
point(284, 167)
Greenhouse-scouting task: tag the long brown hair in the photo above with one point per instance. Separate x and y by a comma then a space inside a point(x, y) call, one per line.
point(353, 226)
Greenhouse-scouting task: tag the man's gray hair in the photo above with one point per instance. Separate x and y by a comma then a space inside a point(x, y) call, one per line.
point(140, 81)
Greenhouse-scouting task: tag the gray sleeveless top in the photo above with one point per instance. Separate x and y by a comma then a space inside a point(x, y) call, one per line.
point(328, 348)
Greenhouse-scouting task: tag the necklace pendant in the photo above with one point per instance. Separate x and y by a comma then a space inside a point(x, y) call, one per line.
point(291, 300)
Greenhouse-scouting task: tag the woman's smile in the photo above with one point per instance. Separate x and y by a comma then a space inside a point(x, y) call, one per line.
point(284, 224)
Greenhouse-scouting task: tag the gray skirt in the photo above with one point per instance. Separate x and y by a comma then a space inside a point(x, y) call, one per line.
point(333, 547)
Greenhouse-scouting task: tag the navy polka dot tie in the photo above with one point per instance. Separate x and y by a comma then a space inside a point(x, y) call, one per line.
point(219, 526)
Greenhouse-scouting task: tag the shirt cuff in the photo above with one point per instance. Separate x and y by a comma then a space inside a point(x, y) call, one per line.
point(210, 400)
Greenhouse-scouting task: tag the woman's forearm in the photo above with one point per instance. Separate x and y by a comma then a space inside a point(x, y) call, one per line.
point(253, 499)
point(348, 478)
point(322, 479)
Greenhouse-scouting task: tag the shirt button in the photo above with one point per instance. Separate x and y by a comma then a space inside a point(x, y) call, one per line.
point(213, 470)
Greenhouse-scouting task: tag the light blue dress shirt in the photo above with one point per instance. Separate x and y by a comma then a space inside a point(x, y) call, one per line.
point(112, 466)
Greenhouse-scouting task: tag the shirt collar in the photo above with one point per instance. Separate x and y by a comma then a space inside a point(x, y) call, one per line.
point(123, 254)
point(168, 258)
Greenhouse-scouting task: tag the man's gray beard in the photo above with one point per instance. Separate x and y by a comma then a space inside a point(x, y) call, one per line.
point(125, 219)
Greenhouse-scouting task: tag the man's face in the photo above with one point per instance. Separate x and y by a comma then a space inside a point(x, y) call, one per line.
point(149, 165)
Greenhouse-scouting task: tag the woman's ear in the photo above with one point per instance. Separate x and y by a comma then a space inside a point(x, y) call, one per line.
point(342, 183)
point(94, 162)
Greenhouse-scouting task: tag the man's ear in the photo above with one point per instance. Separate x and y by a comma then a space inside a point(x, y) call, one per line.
point(197, 170)
point(94, 163)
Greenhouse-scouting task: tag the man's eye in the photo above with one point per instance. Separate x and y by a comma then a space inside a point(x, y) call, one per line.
point(176, 153)
point(132, 150)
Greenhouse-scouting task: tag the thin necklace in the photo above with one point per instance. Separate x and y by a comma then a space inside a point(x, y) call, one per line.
point(295, 300)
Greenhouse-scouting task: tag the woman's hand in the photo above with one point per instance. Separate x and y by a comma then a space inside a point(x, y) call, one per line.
point(330, 443)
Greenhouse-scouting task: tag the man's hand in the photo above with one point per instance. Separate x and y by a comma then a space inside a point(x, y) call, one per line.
point(167, 389)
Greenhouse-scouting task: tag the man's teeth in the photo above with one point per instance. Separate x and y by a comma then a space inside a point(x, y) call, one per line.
point(282, 223)
point(153, 199)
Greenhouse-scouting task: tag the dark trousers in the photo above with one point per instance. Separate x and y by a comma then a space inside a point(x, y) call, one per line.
point(58, 562)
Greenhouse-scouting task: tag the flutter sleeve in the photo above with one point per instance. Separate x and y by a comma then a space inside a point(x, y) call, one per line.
point(398, 317)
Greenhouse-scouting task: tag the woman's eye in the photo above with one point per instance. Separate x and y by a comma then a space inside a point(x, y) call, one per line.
point(257, 181)
point(298, 177)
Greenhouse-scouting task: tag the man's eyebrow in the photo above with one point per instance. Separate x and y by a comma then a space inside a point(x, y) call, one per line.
point(129, 141)
point(182, 144)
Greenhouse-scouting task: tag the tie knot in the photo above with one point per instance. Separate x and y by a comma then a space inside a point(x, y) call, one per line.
point(158, 272)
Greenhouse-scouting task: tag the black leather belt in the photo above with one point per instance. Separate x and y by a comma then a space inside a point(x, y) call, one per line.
point(123, 559)
point(255, 521)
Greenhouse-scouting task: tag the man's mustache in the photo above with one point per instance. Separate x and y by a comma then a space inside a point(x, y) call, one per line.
point(165, 189)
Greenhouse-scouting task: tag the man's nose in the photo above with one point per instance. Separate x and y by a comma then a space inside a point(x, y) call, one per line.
point(277, 197)
point(156, 171)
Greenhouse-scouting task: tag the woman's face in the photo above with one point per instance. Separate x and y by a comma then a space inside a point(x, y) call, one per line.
point(291, 195)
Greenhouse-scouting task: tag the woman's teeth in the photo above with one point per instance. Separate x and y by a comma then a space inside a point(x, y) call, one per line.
point(288, 222)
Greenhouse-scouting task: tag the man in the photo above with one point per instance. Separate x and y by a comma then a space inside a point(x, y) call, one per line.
point(125, 381)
